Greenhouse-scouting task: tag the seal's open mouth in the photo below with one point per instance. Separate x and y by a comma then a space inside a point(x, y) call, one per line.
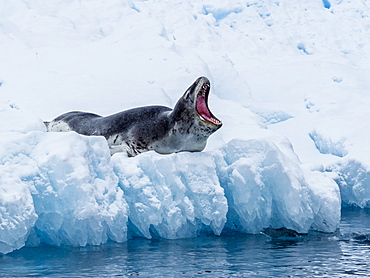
point(202, 105)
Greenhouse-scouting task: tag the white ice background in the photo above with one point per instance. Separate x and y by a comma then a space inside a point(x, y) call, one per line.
point(289, 79)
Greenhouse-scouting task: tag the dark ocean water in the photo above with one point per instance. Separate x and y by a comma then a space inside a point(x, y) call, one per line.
point(346, 254)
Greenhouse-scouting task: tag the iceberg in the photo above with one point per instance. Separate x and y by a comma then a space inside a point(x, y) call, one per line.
point(66, 189)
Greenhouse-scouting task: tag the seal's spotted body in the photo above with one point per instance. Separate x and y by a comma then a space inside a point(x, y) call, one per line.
point(159, 128)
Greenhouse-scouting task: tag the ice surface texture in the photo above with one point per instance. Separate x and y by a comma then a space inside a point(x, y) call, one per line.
point(61, 194)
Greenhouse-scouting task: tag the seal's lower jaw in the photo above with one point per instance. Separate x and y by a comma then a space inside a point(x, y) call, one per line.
point(201, 106)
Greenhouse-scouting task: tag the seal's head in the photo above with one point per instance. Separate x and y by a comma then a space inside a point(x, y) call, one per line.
point(193, 106)
point(192, 117)
point(188, 126)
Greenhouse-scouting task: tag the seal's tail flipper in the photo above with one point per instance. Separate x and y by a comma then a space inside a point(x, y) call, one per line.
point(47, 125)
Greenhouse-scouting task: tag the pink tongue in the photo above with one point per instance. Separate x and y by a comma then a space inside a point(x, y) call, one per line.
point(202, 108)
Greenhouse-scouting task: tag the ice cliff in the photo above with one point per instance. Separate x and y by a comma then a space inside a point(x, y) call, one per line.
point(65, 189)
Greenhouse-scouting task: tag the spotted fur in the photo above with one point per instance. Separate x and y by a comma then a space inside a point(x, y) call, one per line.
point(142, 129)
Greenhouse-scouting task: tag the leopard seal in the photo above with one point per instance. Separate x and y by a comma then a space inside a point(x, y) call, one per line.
point(186, 127)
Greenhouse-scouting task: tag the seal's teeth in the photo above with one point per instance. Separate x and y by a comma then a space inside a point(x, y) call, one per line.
point(202, 92)
point(216, 121)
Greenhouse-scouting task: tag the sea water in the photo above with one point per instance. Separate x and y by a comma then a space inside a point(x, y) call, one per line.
point(345, 254)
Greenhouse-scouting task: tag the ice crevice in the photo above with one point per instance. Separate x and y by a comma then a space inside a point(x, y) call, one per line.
point(327, 145)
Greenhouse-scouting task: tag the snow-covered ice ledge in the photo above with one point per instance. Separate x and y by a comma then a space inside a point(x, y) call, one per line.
point(65, 189)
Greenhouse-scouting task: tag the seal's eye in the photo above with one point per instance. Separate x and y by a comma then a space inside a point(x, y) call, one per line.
point(187, 96)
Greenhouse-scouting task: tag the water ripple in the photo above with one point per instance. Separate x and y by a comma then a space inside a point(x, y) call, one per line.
point(318, 255)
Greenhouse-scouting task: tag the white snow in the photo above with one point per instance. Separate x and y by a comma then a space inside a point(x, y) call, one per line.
point(288, 79)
